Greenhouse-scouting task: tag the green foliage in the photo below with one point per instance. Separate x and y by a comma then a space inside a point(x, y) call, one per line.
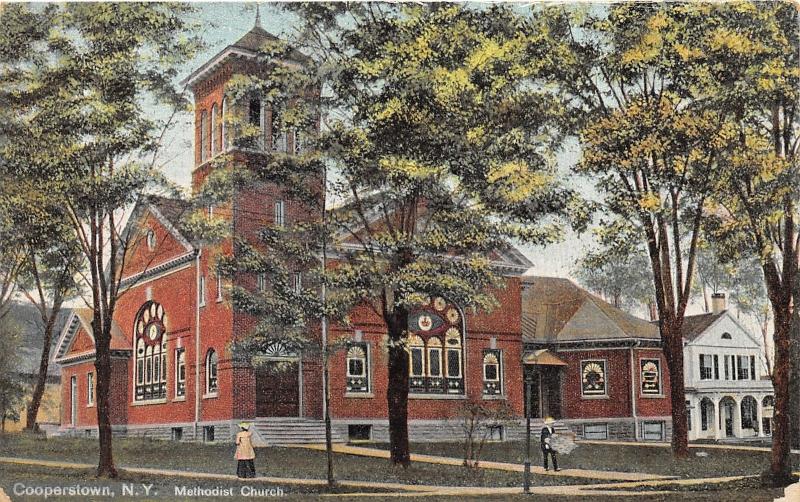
point(12, 390)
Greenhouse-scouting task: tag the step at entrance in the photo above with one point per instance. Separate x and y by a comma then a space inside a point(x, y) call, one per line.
point(282, 431)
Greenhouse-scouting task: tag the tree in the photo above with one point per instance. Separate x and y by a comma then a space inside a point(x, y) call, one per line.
point(436, 158)
point(623, 280)
point(650, 145)
point(48, 275)
point(76, 77)
point(11, 388)
point(478, 423)
point(756, 212)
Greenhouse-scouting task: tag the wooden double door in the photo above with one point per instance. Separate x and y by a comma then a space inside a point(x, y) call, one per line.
point(278, 389)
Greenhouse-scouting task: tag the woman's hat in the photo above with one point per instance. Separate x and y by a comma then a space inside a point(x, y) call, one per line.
point(549, 420)
point(244, 425)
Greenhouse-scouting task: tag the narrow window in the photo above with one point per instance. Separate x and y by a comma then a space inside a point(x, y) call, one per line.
point(204, 147)
point(151, 240)
point(727, 361)
point(297, 282)
point(278, 139)
point(214, 130)
point(706, 370)
point(90, 389)
point(210, 211)
point(280, 213)
point(256, 119)
point(651, 376)
point(492, 372)
point(262, 282)
point(211, 372)
point(716, 367)
point(223, 126)
point(593, 377)
point(298, 142)
point(219, 286)
point(417, 362)
point(752, 367)
point(202, 293)
point(688, 416)
point(358, 368)
point(180, 372)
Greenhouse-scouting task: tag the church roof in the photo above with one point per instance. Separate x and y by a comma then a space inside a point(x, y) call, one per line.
point(82, 318)
point(557, 310)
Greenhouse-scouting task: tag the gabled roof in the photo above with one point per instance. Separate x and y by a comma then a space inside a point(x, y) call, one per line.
point(82, 318)
point(247, 47)
point(696, 325)
point(556, 310)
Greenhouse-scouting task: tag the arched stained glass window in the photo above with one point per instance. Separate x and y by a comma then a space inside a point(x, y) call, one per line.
point(593, 377)
point(436, 348)
point(358, 368)
point(151, 353)
point(211, 372)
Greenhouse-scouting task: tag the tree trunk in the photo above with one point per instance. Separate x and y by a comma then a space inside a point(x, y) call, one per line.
point(794, 361)
point(397, 393)
point(41, 378)
point(105, 467)
point(780, 463)
point(673, 351)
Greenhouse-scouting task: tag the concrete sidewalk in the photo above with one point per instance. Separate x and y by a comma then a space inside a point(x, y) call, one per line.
point(486, 464)
point(661, 444)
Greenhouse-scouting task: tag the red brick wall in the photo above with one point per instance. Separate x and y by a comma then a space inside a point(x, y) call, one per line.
point(87, 415)
point(617, 402)
point(141, 258)
point(649, 405)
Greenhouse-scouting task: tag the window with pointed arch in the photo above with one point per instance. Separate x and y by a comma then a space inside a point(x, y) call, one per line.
point(223, 126)
point(150, 367)
point(436, 348)
point(492, 372)
point(204, 136)
point(358, 367)
point(211, 372)
point(214, 130)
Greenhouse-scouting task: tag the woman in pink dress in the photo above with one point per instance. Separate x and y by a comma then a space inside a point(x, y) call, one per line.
point(245, 455)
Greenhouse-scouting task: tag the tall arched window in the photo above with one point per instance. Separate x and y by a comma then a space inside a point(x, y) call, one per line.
point(436, 348)
point(214, 130)
point(492, 372)
point(223, 126)
point(211, 372)
point(357, 368)
point(203, 136)
point(151, 353)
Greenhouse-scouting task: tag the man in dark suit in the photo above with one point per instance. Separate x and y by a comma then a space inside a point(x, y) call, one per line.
point(547, 432)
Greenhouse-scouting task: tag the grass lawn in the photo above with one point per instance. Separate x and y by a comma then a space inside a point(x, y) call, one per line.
point(623, 458)
point(278, 462)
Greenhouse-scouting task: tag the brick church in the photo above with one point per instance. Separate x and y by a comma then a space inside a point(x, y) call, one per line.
point(597, 369)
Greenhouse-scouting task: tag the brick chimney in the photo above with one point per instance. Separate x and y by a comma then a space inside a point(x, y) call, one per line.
point(718, 303)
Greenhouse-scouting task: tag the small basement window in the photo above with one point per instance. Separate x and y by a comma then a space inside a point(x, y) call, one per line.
point(595, 431)
point(654, 431)
point(359, 432)
point(495, 433)
point(208, 433)
point(177, 433)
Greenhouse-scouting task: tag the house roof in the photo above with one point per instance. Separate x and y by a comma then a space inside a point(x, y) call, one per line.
point(82, 318)
point(557, 310)
point(696, 325)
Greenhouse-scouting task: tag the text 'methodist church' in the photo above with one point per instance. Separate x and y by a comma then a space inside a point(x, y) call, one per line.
point(596, 369)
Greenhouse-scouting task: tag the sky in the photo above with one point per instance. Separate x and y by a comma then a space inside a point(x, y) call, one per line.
point(221, 24)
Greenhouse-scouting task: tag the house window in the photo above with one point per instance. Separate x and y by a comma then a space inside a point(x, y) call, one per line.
point(743, 367)
point(716, 367)
point(203, 136)
point(653, 431)
point(726, 336)
point(214, 130)
point(261, 282)
point(436, 349)
point(211, 372)
point(223, 126)
point(593, 377)
point(151, 240)
point(706, 369)
point(256, 119)
point(595, 431)
point(297, 282)
point(89, 389)
point(752, 367)
point(651, 376)
point(280, 213)
point(151, 353)
point(219, 286)
point(201, 294)
point(358, 368)
point(727, 363)
point(492, 372)
point(180, 372)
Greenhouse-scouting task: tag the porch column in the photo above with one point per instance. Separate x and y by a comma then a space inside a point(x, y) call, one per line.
point(719, 426)
point(696, 404)
point(760, 418)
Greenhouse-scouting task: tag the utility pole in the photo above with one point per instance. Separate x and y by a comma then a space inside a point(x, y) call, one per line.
point(326, 409)
point(526, 484)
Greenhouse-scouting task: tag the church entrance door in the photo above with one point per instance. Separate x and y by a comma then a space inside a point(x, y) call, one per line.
point(277, 389)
